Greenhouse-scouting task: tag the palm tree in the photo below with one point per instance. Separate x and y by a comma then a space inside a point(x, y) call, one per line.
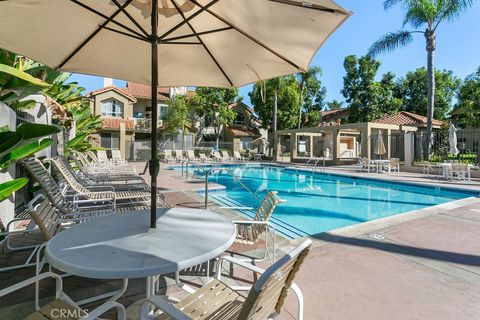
point(304, 78)
point(335, 105)
point(428, 14)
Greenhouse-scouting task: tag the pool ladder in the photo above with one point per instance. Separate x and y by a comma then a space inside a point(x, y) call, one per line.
point(317, 160)
point(186, 163)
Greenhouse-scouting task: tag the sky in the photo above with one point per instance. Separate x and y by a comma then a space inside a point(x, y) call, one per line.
point(458, 48)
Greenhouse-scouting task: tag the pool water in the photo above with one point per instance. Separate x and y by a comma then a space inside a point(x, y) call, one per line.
point(318, 202)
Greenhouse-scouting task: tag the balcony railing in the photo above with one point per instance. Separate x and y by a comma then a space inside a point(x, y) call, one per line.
point(145, 124)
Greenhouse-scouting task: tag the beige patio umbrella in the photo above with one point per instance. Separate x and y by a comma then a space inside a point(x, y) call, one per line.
point(380, 147)
point(220, 43)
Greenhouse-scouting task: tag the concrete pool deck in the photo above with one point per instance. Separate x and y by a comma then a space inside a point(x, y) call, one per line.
point(418, 265)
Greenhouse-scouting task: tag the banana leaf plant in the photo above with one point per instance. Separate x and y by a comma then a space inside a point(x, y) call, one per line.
point(21, 144)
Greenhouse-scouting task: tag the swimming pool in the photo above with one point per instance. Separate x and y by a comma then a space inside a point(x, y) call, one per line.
point(318, 202)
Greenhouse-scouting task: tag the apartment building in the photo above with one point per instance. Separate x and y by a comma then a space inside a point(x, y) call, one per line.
point(126, 115)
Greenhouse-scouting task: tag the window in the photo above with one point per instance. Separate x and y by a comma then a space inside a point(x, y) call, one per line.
point(162, 111)
point(110, 140)
point(239, 119)
point(138, 114)
point(112, 108)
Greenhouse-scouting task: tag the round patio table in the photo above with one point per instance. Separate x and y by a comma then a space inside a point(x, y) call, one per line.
point(123, 246)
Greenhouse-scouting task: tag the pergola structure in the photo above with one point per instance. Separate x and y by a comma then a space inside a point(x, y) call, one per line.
point(337, 142)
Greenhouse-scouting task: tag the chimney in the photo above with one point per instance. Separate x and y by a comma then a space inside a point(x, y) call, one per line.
point(107, 82)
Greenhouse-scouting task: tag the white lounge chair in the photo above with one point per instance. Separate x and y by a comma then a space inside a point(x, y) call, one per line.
point(168, 156)
point(117, 157)
point(191, 155)
point(204, 158)
point(63, 305)
point(217, 156)
point(225, 156)
point(238, 157)
point(179, 155)
point(218, 301)
point(459, 171)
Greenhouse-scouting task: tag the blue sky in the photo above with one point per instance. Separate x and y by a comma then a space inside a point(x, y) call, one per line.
point(458, 48)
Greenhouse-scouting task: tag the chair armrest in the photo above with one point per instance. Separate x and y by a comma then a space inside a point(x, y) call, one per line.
point(165, 306)
point(94, 314)
point(250, 222)
point(32, 280)
point(239, 263)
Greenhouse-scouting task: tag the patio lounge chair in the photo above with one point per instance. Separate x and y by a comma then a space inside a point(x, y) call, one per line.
point(70, 208)
point(204, 158)
point(102, 156)
point(249, 232)
point(128, 198)
point(191, 155)
point(217, 156)
point(179, 155)
point(117, 157)
point(238, 157)
point(62, 302)
point(168, 156)
point(216, 300)
point(392, 165)
point(225, 156)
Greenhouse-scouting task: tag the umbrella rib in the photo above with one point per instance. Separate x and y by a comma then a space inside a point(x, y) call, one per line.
point(135, 22)
point(198, 33)
point(91, 36)
point(203, 43)
point(202, 9)
point(250, 37)
point(127, 34)
point(106, 17)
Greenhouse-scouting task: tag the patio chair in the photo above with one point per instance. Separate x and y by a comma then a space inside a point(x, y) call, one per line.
point(179, 156)
point(216, 300)
point(110, 167)
point(249, 232)
point(225, 155)
point(98, 174)
point(392, 165)
point(364, 164)
point(238, 157)
point(70, 208)
point(204, 158)
point(460, 171)
point(191, 155)
point(117, 157)
point(102, 156)
point(127, 198)
point(217, 156)
point(168, 156)
point(62, 303)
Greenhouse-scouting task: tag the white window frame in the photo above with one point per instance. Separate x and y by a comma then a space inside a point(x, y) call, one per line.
point(238, 123)
point(114, 104)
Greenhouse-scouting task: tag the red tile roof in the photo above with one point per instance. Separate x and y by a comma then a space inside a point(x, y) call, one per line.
point(143, 91)
point(242, 131)
point(406, 118)
point(114, 123)
point(118, 90)
point(333, 115)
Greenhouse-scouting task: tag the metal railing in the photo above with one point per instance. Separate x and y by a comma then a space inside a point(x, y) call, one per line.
point(317, 160)
point(186, 163)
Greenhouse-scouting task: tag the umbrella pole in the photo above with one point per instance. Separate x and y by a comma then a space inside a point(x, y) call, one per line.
point(154, 163)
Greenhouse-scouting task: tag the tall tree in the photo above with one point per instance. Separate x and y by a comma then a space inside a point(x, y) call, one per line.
point(428, 14)
point(312, 97)
point(179, 116)
point(467, 108)
point(263, 100)
point(413, 89)
point(367, 99)
point(212, 104)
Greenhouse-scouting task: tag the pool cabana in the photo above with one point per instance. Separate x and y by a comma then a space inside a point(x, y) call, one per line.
point(340, 143)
